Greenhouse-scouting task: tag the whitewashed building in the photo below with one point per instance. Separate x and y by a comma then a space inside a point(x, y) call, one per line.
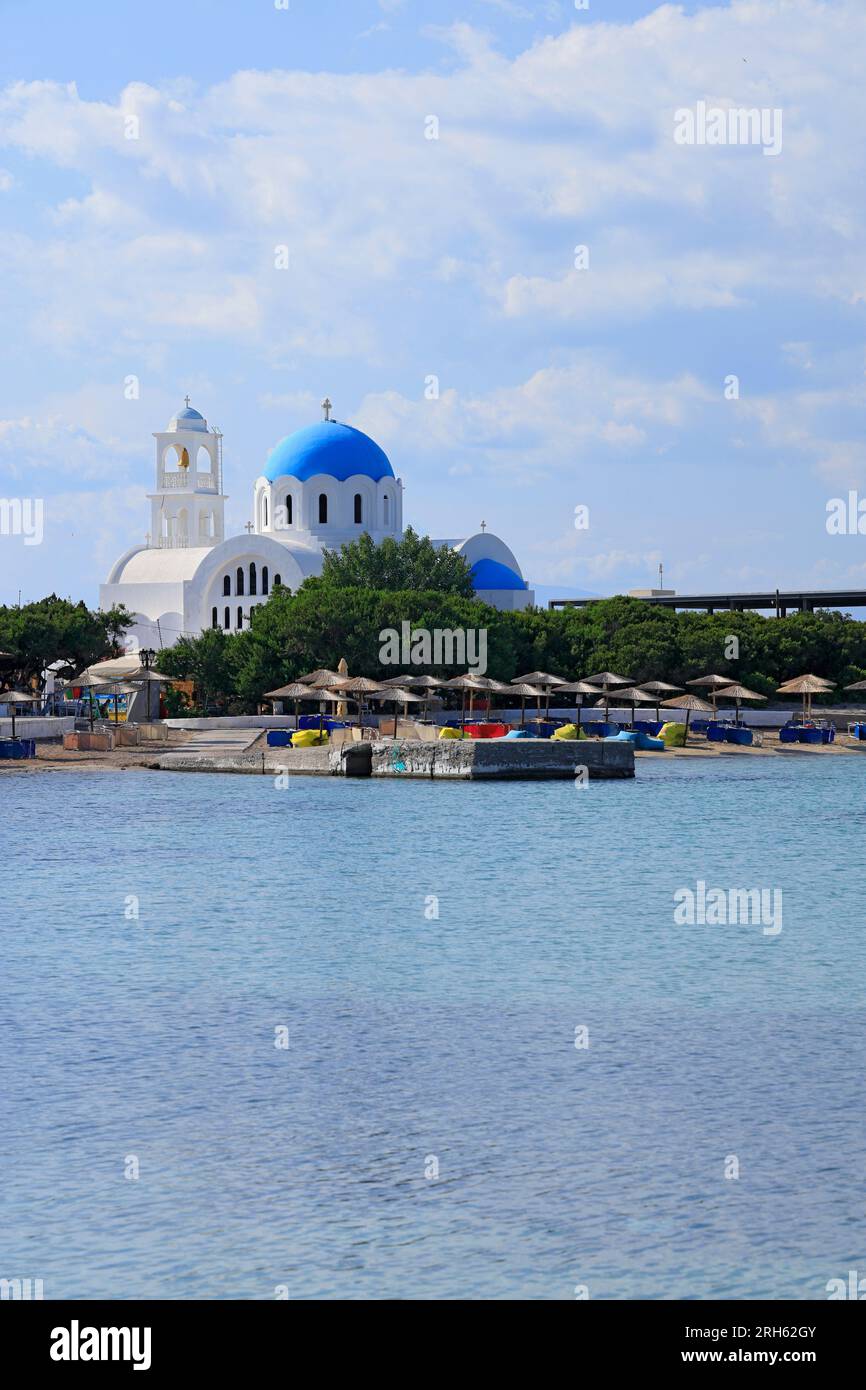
point(321, 486)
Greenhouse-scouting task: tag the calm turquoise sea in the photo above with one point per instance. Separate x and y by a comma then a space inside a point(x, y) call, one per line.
point(431, 1130)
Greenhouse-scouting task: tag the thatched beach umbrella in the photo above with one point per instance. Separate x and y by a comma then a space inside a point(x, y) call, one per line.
point(16, 697)
point(400, 697)
point(635, 695)
point(295, 691)
point(658, 689)
point(713, 683)
point(89, 683)
point(357, 688)
point(606, 681)
point(688, 703)
point(547, 682)
point(426, 683)
point(118, 688)
point(738, 693)
point(526, 692)
point(473, 684)
point(807, 686)
point(322, 678)
point(577, 688)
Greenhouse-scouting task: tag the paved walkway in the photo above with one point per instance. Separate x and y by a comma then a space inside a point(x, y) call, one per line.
point(213, 743)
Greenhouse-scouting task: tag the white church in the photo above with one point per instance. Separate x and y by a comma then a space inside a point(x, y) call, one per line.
point(320, 487)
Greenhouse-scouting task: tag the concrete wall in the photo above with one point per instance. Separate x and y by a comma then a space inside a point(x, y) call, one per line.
point(46, 726)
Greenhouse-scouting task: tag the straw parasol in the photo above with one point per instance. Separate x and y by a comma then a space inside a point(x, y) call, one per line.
point(807, 686)
point(400, 697)
point(16, 697)
point(577, 688)
point(738, 693)
point(713, 683)
point(357, 687)
point(321, 677)
point(526, 692)
point(858, 685)
point(545, 680)
point(295, 691)
point(607, 681)
point(343, 672)
point(426, 683)
point(688, 703)
point(89, 683)
point(658, 688)
point(471, 683)
point(635, 695)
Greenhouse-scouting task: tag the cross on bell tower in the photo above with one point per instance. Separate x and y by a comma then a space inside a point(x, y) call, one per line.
point(327, 407)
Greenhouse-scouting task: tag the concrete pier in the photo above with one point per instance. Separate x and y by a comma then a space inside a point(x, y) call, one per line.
point(484, 759)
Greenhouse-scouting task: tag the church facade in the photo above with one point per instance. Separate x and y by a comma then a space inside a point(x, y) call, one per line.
point(320, 487)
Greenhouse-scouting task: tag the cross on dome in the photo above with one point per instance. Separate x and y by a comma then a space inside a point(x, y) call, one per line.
point(186, 401)
point(327, 407)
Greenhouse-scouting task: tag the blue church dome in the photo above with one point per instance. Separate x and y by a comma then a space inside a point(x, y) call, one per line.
point(331, 448)
point(491, 574)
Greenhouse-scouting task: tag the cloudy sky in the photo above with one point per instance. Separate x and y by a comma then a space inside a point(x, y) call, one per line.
point(153, 158)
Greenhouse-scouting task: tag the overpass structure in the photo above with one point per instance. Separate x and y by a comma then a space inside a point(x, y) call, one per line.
point(779, 601)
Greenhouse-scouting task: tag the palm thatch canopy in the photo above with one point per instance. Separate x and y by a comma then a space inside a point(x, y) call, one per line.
point(713, 681)
point(858, 685)
point(606, 678)
point(414, 682)
point(634, 695)
point(296, 691)
point(321, 677)
point(739, 692)
point(17, 697)
point(807, 685)
point(658, 687)
point(539, 678)
point(467, 682)
point(689, 702)
point(356, 685)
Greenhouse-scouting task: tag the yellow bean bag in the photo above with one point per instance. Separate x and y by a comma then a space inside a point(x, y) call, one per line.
point(569, 731)
point(309, 738)
point(445, 732)
point(673, 735)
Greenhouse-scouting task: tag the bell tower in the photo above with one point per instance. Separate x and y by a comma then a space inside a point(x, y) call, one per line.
point(188, 507)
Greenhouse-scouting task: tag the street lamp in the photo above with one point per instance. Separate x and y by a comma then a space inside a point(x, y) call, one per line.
point(147, 657)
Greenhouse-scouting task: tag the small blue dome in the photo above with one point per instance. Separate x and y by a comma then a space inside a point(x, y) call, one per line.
point(491, 574)
point(188, 414)
point(330, 448)
point(187, 419)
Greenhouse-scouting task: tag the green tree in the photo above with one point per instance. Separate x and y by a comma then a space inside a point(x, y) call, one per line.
point(413, 563)
point(206, 660)
point(54, 629)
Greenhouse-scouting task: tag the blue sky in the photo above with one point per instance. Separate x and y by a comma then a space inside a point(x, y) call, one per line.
point(154, 258)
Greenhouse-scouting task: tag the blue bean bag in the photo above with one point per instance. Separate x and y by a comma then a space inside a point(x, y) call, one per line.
point(518, 733)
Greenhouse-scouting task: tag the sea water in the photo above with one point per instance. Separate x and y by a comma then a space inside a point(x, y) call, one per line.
point(362, 1039)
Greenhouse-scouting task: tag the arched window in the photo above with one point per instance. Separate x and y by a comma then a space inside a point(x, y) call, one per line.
point(265, 513)
point(359, 509)
point(386, 507)
point(252, 579)
point(264, 579)
point(323, 509)
point(227, 586)
point(227, 619)
point(289, 509)
point(240, 618)
point(214, 618)
point(239, 590)
point(278, 579)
